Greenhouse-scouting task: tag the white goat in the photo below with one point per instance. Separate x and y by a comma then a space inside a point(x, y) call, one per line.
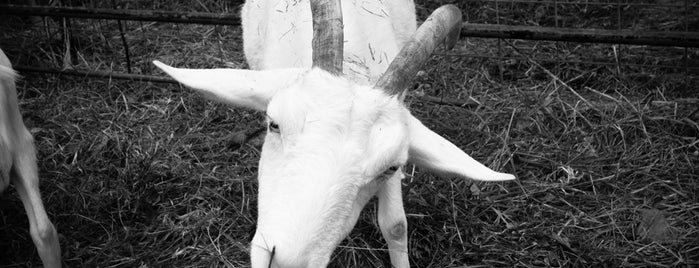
point(18, 165)
point(334, 139)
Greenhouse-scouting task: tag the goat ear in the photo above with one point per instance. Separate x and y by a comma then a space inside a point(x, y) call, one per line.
point(431, 151)
point(245, 88)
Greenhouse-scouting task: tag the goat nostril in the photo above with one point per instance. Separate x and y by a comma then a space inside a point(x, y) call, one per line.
point(271, 256)
point(393, 169)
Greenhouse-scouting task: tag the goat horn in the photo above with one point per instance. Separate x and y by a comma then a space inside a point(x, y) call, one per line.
point(327, 35)
point(443, 23)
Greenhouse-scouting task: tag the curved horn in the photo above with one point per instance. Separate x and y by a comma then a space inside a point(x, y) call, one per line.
point(444, 23)
point(327, 35)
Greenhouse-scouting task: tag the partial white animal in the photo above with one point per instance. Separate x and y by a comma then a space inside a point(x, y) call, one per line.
point(334, 139)
point(277, 34)
point(18, 165)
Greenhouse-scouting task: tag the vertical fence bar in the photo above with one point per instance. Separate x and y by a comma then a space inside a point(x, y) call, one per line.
point(555, 21)
point(686, 52)
point(143, 37)
point(619, 52)
point(124, 43)
point(501, 67)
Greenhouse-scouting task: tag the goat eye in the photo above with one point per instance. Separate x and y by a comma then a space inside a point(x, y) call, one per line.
point(391, 170)
point(273, 127)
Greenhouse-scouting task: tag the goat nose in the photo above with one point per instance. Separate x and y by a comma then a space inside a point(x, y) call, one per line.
point(271, 256)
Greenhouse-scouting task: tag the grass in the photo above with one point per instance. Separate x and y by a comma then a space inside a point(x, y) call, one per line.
point(138, 174)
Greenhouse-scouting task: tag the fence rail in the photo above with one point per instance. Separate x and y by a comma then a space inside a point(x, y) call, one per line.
point(122, 14)
point(674, 39)
point(609, 3)
point(98, 74)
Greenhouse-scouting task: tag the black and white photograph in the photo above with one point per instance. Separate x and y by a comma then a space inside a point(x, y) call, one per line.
point(349, 133)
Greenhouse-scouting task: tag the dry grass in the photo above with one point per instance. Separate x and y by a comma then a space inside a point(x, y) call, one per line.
point(138, 174)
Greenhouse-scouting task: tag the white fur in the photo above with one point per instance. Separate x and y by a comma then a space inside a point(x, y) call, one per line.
point(18, 165)
point(338, 136)
point(277, 34)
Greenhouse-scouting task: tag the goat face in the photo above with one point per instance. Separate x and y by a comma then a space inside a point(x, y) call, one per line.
point(328, 145)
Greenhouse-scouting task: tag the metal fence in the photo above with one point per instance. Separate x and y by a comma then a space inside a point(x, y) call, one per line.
point(107, 39)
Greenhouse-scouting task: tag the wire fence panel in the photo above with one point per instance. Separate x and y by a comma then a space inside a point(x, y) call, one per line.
point(102, 37)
